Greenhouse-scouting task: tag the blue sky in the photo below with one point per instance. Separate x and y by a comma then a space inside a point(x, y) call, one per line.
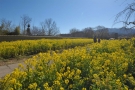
point(67, 14)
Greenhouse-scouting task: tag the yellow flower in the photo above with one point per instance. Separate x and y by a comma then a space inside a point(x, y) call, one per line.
point(32, 86)
point(45, 85)
point(68, 68)
point(72, 72)
point(59, 78)
point(78, 71)
point(66, 81)
point(97, 83)
point(83, 88)
point(93, 80)
point(70, 86)
point(19, 84)
point(11, 89)
point(16, 73)
point(61, 88)
point(40, 68)
point(77, 77)
point(108, 61)
point(21, 66)
point(125, 76)
point(24, 74)
point(101, 73)
point(13, 81)
point(49, 88)
point(80, 82)
point(125, 87)
point(70, 75)
point(57, 82)
point(91, 71)
point(65, 74)
point(118, 82)
point(95, 75)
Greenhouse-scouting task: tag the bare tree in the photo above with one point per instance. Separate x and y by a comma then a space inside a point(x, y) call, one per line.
point(88, 32)
point(129, 14)
point(5, 26)
point(49, 27)
point(25, 21)
point(74, 32)
point(43, 27)
point(102, 32)
point(36, 31)
point(1, 27)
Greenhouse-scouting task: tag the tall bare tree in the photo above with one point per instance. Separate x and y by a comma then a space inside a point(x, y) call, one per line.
point(43, 27)
point(74, 32)
point(49, 27)
point(36, 31)
point(129, 16)
point(102, 32)
point(5, 26)
point(25, 21)
point(88, 32)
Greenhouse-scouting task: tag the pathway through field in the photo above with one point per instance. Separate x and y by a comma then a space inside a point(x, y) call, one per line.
point(8, 66)
point(7, 69)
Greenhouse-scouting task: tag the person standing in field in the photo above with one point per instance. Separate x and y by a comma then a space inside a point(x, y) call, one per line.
point(95, 39)
point(98, 40)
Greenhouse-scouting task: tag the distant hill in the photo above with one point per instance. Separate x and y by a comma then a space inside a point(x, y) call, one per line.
point(121, 31)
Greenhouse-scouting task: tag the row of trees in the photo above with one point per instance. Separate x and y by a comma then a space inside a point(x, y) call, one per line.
point(6, 28)
point(48, 27)
point(99, 31)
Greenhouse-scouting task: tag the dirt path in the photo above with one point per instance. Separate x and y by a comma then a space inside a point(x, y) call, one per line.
point(7, 66)
point(7, 69)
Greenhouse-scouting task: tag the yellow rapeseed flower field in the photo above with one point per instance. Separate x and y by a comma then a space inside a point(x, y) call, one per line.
point(29, 47)
point(109, 65)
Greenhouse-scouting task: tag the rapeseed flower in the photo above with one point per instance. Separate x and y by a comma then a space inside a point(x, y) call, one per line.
point(108, 65)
